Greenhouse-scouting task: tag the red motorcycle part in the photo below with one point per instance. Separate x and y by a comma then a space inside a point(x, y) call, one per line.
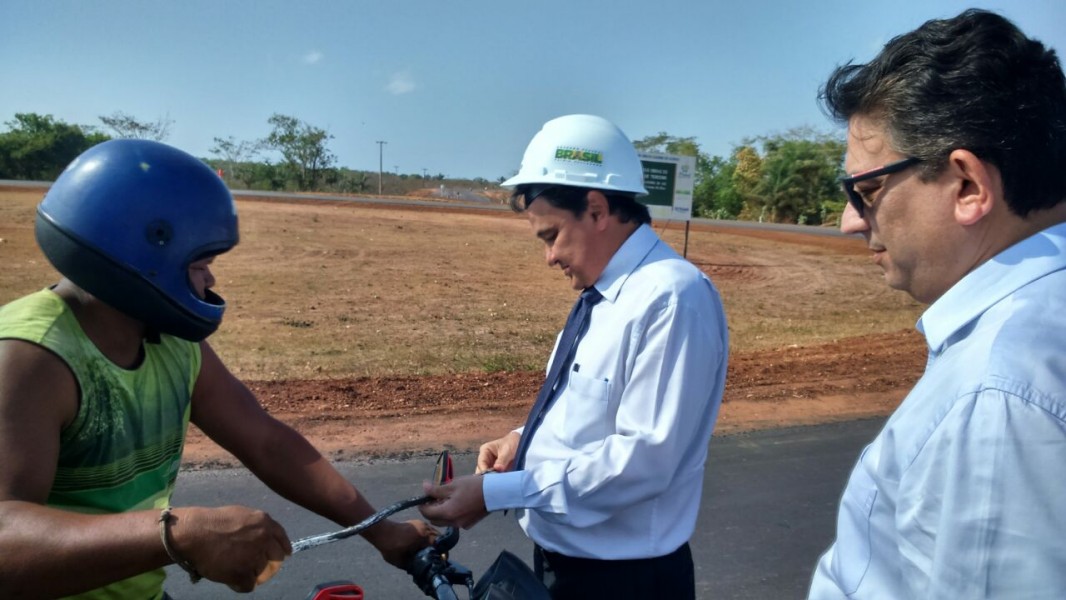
point(336, 590)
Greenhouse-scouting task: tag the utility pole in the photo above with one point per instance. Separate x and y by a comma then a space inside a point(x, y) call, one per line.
point(425, 172)
point(381, 151)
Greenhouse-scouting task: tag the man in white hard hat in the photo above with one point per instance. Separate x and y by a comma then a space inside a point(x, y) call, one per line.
point(606, 474)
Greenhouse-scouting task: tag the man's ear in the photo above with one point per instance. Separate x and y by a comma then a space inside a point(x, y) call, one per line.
point(598, 208)
point(976, 188)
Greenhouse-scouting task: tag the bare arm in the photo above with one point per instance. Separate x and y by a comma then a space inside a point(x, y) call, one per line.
point(38, 396)
point(227, 411)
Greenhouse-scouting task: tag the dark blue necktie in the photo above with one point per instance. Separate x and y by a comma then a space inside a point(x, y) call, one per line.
point(576, 326)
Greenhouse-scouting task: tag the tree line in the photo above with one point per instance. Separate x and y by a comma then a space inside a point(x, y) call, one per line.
point(782, 178)
point(38, 147)
point(792, 177)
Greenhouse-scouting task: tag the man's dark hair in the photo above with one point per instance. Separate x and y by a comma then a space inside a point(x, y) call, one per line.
point(575, 200)
point(974, 82)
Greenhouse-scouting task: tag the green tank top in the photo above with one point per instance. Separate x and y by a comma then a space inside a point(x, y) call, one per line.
point(123, 448)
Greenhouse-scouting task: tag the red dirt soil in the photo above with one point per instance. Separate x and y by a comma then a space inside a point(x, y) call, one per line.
point(371, 417)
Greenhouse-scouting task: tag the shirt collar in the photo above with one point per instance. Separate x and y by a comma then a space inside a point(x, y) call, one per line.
point(993, 280)
point(629, 256)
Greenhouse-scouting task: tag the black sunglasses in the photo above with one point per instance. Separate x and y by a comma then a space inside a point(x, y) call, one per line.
point(442, 472)
point(566, 193)
point(855, 198)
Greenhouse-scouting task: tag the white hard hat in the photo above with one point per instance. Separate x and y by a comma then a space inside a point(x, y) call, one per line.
point(582, 151)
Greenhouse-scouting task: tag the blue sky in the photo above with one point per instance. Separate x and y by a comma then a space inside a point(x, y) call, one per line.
point(453, 87)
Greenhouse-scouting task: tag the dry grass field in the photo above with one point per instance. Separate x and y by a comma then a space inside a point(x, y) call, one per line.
point(383, 330)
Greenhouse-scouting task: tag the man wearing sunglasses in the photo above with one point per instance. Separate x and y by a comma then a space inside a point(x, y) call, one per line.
point(957, 159)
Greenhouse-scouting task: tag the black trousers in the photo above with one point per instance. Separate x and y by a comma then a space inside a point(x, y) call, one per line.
point(567, 578)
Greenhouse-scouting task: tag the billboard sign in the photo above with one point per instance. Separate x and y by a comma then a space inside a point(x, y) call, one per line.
point(669, 180)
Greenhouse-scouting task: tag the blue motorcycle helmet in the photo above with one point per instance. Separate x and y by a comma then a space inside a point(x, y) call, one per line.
point(126, 219)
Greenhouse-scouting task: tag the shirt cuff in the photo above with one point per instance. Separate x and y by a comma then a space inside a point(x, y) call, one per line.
point(504, 490)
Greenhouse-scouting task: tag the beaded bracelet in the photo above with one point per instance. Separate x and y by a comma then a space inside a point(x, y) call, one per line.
point(164, 525)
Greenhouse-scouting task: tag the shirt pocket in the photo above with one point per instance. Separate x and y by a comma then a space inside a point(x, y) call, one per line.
point(586, 410)
point(851, 554)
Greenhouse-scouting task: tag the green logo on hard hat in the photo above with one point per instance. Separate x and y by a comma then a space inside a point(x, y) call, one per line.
point(579, 155)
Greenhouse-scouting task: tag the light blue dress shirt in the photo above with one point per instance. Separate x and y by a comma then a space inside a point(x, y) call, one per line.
point(615, 471)
point(963, 493)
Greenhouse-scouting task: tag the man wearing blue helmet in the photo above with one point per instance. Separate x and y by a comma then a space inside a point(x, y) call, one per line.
point(100, 376)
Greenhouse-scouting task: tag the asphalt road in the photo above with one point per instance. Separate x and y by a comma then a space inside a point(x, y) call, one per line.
point(769, 507)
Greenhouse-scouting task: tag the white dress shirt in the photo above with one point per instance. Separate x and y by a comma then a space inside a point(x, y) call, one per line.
point(963, 493)
point(615, 470)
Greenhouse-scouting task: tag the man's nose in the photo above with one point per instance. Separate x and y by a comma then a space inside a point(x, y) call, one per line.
point(851, 222)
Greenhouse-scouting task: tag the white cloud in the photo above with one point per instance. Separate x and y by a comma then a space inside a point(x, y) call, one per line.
point(313, 57)
point(400, 83)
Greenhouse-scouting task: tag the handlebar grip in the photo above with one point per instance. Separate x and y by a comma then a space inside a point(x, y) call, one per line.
point(443, 589)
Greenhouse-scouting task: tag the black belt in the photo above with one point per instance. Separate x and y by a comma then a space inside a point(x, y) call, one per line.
point(555, 559)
